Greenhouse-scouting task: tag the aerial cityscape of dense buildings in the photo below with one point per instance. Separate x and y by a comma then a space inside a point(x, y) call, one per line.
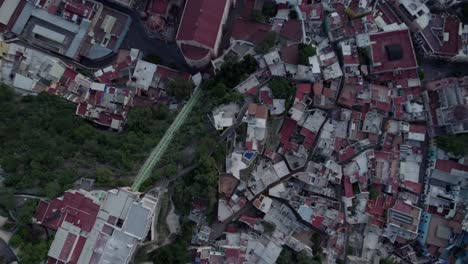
point(343, 126)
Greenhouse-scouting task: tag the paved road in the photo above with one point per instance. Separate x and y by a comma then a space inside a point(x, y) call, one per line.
point(138, 39)
point(158, 151)
point(6, 253)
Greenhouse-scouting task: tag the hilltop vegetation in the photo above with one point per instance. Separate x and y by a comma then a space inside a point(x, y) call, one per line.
point(46, 147)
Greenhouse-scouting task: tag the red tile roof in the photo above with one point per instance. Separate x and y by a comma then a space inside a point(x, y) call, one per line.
point(313, 11)
point(262, 112)
point(249, 145)
point(69, 73)
point(74, 208)
point(292, 29)
point(266, 98)
point(417, 129)
point(77, 251)
point(248, 30)
point(67, 246)
point(453, 44)
point(348, 188)
point(448, 165)
point(288, 128)
point(309, 137)
point(347, 153)
point(249, 220)
point(78, 9)
point(382, 41)
point(317, 221)
point(248, 7)
point(171, 73)
point(81, 108)
point(159, 6)
point(317, 88)
point(402, 207)
point(290, 54)
point(302, 89)
point(413, 186)
point(201, 21)
point(193, 52)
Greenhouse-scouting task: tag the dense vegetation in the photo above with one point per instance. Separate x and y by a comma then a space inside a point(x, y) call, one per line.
point(282, 89)
point(289, 256)
point(270, 40)
point(153, 58)
point(207, 153)
point(456, 144)
point(181, 89)
point(31, 241)
point(306, 51)
point(46, 147)
point(176, 252)
point(268, 11)
point(374, 193)
point(293, 14)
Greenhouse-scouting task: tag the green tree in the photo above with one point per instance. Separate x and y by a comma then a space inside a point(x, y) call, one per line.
point(421, 75)
point(282, 89)
point(153, 58)
point(257, 16)
point(305, 51)
point(233, 71)
point(7, 94)
point(177, 252)
point(303, 258)
point(7, 201)
point(25, 213)
point(270, 9)
point(456, 144)
point(269, 227)
point(293, 14)
point(179, 88)
point(316, 243)
point(52, 189)
point(386, 261)
point(286, 257)
point(103, 175)
point(16, 241)
point(33, 253)
point(374, 193)
point(267, 43)
point(219, 90)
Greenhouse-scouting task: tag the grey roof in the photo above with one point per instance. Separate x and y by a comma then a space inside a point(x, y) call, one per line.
point(443, 232)
point(118, 202)
point(137, 220)
point(441, 178)
point(57, 244)
point(79, 31)
point(118, 249)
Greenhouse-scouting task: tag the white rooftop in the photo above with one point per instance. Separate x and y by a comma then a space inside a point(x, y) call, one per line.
point(144, 72)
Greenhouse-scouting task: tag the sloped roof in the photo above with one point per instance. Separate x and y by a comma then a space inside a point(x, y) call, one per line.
point(248, 30)
point(201, 21)
point(292, 29)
